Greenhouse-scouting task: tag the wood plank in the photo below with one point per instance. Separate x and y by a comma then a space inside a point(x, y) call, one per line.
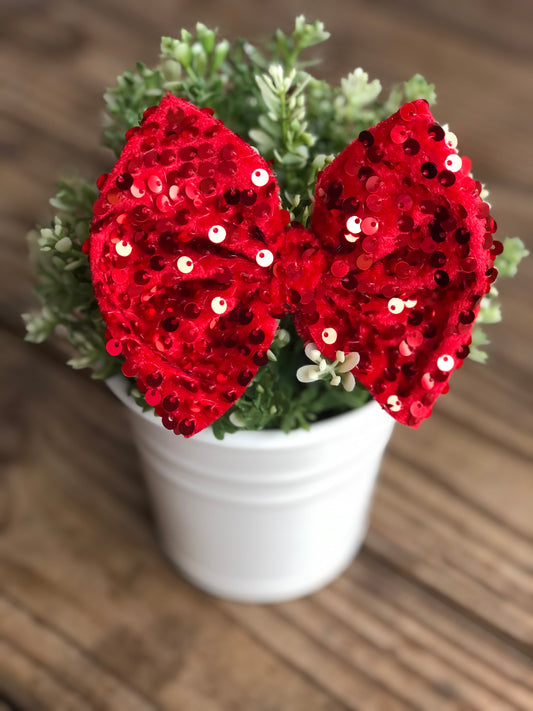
point(476, 464)
point(355, 687)
point(31, 687)
point(440, 555)
point(398, 614)
point(506, 32)
point(34, 639)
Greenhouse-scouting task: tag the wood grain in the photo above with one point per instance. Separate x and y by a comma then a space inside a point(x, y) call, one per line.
point(436, 614)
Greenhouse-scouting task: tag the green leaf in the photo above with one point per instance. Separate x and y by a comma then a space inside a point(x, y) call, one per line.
point(418, 88)
point(514, 250)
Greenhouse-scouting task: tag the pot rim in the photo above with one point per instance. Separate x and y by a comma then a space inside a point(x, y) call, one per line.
point(258, 438)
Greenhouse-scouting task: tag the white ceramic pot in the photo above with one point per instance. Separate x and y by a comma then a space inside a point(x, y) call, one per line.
point(262, 517)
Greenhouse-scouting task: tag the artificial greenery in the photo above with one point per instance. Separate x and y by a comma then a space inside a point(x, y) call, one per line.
point(490, 312)
point(64, 283)
point(268, 96)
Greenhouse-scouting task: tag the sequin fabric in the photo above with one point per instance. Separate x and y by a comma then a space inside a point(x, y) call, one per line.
point(193, 260)
point(410, 255)
point(182, 250)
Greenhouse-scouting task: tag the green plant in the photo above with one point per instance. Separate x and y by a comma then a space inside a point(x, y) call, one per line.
point(299, 122)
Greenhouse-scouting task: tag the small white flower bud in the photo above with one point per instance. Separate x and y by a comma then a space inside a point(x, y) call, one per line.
point(307, 374)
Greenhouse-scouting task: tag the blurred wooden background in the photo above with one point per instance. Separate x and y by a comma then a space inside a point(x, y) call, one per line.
point(437, 612)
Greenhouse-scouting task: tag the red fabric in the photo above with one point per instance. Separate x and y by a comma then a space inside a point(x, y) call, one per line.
point(181, 177)
point(193, 261)
point(403, 291)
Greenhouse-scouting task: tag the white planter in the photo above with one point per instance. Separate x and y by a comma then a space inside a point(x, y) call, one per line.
point(262, 516)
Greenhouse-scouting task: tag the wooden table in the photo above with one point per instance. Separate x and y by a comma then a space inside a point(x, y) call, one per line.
point(436, 614)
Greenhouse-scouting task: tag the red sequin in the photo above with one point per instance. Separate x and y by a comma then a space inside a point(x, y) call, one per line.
point(414, 258)
point(176, 272)
point(193, 260)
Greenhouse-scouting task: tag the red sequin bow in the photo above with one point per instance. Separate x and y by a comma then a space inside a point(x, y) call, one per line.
point(193, 261)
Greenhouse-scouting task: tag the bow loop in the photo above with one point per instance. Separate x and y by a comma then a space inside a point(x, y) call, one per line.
point(408, 237)
point(183, 245)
